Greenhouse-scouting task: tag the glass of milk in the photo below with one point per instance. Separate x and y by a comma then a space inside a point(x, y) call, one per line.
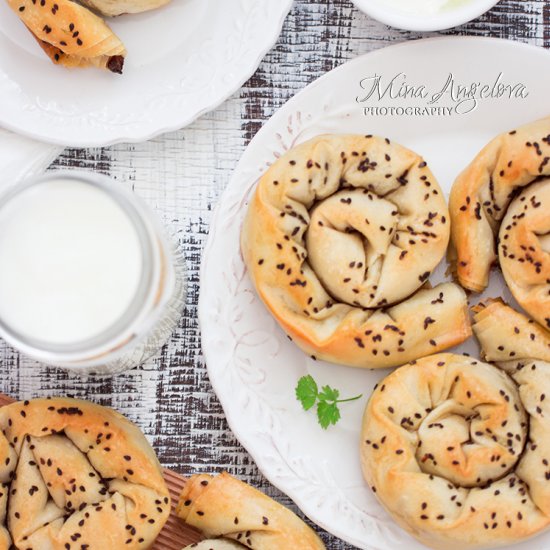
point(88, 280)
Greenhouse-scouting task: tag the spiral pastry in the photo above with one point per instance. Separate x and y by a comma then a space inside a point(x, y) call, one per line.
point(77, 475)
point(341, 233)
point(524, 250)
point(457, 450)
point(242, 516)
point(484, 204)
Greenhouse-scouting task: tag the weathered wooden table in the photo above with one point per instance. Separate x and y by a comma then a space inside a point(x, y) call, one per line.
point(183, 174)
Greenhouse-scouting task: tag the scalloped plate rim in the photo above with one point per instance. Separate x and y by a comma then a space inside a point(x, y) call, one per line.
point(149, 133)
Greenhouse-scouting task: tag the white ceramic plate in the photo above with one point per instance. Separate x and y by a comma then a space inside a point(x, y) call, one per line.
point(252, 365)
point(183, 60)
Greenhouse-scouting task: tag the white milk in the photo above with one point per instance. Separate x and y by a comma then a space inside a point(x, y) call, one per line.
point(70, 261)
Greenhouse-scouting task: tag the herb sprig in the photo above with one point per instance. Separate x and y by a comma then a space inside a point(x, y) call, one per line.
point(328, 412)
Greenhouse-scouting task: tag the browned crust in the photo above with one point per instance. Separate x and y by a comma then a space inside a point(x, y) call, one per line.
point(79, 439)
point(508, 335)
point(524, 260)
point(71, 35)
point(223, 506)
point(273, 236)
point(482, 193)
point(431, 432)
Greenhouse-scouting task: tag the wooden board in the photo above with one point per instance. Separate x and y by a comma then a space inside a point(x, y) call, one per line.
point(176, 534)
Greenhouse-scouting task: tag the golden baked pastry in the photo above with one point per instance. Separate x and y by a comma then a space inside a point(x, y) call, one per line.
point(456, 450)
point(223, 506)
point(70, 34)
point(118, 7)
point(524, 250)
point(78, 475)
point(339, 229)
point(506, 335)
point(480, 198)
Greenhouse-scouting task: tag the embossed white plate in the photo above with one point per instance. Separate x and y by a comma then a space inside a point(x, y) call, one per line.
point(183, 60)
point(252, 365)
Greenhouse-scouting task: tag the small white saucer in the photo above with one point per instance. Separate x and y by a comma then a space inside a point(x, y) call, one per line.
point(389, 12)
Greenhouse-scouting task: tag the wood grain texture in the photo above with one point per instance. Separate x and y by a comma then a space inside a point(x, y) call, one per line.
point(182, 175)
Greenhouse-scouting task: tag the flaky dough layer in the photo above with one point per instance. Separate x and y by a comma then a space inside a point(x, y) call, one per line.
point(524, 250)
point(455, 450)
point(458, 450)
point(340, 234)
point(223, 506)
point(480, 200)
point(79, 473)
point(70, 34)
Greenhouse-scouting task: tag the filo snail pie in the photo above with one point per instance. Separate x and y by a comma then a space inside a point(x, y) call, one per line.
point(524, 250)
point(229, 510)
point(70, 34)
point(77, 475)
point(505, 192)
point(340, 234)
point(458, 450)
point(118, 7)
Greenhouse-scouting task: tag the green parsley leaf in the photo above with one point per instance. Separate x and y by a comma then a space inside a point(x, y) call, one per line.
point(329, 394)
point(306, 392)
point(327, 414)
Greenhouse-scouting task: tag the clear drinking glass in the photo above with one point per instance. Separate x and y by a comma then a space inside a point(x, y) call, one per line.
point(153, 310)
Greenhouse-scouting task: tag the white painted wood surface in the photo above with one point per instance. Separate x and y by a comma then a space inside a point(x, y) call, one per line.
point(182, 174)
